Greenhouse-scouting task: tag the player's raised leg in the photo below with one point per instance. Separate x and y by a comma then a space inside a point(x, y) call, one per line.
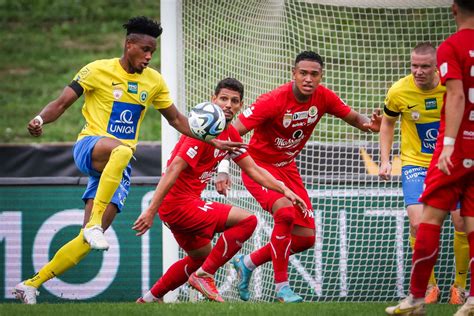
point(111, 158)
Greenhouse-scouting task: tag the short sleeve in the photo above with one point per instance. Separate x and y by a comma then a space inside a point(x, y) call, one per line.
point(449, 66)
point(85, 77)
point(391, 108)
point(162, 98)
point(335, 105)
point(259, 112)
point(191, 150)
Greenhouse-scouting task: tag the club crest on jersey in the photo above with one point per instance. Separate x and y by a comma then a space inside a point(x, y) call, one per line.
point(117, 93)
point(415, 115)
point(124, 119)
point(287, 117)
point(143, 96)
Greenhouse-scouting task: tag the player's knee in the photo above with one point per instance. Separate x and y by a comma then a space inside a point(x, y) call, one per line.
point(121, 155)
point(285, 215)
point(195, 262)
point(301, 243)
point(248, 226)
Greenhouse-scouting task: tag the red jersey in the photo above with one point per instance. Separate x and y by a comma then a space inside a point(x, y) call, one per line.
point(282, 125)
point(202, 159)
point(456, 61)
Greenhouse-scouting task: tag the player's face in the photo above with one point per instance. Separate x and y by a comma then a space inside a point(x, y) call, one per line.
point(229, 101)
point(138, 52)
point(307, 75)
point(423, 68)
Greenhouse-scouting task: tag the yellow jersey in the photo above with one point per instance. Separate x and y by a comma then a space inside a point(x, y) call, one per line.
point(115, 102)
point(420, 115)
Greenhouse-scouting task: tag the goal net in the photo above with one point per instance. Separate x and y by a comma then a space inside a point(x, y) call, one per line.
point(362, 251)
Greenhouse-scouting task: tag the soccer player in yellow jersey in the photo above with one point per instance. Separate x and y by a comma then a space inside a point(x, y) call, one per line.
point(418, 99)
point(117, 93)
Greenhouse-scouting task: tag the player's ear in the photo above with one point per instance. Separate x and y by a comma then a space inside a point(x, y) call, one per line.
point(293, 72)
point(213, 98)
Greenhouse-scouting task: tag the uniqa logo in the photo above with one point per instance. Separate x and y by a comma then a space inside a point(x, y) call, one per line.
point(125, 117)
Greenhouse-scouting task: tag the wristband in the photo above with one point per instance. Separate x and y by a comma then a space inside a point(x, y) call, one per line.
point(39, 118)
point(224, 166)
point(448, 141)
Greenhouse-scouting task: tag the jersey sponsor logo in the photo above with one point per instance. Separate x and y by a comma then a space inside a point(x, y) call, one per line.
point(192, 152)
point(427, 132)
point(300, 116)
point(206, 176)
point(443, 69)
point(83, 74)
point(413, 173)
point(471, 115)
point(124, 120)
point(472, 71)
point(287, 117)
point(468, 134)
point(471, 53)
point(287, 143)
point(248, 112)
point(219, 153)
point(471, 95)
point(312, 119)
point(299, 124)
point(431, 104)
point(132, 87)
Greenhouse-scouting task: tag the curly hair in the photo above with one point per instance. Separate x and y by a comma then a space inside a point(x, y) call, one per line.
point(143, 25)
point(309, 55)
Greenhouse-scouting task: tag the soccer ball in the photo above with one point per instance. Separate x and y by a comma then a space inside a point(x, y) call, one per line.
point(206, 120)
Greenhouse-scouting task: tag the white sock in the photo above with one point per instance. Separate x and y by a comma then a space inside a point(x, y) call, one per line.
point(278, 286)
point(248, 263)
point(148, 297)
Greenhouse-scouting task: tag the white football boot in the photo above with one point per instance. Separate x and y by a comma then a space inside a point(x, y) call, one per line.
point(408, 306)
point(94, 236)
point(25, 293)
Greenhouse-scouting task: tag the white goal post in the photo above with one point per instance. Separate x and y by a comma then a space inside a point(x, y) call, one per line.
point(362, 251)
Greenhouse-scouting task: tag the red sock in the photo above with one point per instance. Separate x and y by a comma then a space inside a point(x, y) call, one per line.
point(229, 243)
point(301, 243)
point(470, 238)
point(424, 258)
point(280, 242)
point(177, 275)
point(262, 255)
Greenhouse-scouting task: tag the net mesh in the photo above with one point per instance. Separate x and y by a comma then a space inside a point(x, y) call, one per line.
point(361, 251)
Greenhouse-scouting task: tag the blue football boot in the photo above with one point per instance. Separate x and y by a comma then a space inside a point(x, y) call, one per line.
point(244, 275)
point(286, 295)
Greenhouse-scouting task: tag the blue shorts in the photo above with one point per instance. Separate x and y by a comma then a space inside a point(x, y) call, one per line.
point(413, 178)
point(83, 158)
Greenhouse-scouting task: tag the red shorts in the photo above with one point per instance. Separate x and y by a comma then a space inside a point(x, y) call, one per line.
point(443, 191)
point(194, 223)
point(290, 176)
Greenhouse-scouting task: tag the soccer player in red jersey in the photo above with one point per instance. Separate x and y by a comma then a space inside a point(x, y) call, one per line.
point(283, 121)
point(193, 221)
point(450, 176)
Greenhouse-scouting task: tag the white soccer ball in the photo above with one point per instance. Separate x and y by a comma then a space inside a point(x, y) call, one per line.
point(206, 120)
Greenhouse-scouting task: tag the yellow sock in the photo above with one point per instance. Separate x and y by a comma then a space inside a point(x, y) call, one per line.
point(432, 280)
point(461, 256)
point(65, 258)
point(109, 182)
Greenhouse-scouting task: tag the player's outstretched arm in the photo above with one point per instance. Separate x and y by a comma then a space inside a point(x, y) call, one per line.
point(145, 220)
point(364, 123)
point(52, 111)
point(387, 130)
point(264, 178)
point(180, 122)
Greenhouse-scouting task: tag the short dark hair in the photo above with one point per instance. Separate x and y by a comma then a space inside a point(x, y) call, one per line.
point(467, 5)
point(231, 84)
point(425, 48)
point(143, 25)
point(309, 55)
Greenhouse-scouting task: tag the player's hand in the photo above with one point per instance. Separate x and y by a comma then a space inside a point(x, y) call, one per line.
point(228, 145)
point(223, 183)
point(144, 222)
point(385, 170)
point(375, 121)
point(35, 128)
point(295, 199)
point(444, 161)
